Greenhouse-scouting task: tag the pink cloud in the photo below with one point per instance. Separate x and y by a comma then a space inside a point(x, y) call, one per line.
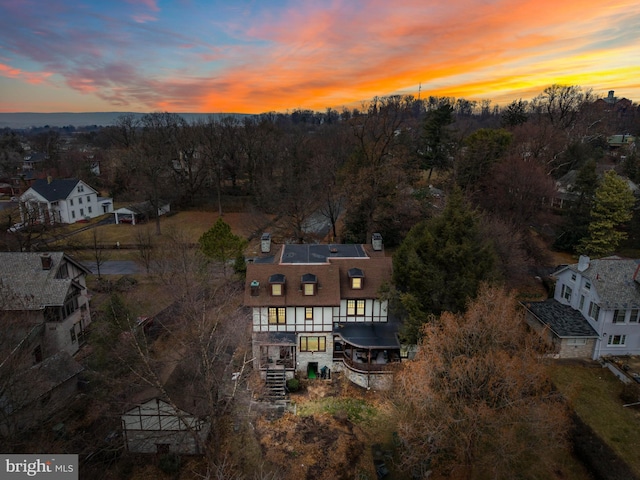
point(319, 54)
point(33, 78)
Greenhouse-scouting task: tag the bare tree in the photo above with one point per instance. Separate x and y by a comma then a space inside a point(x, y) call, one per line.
point(100, 254)
point(476, 402)
point(146, 247)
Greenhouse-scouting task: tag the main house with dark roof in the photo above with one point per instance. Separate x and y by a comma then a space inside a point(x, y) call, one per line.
point(316, 309)
point(54, 201)
point(595, 310)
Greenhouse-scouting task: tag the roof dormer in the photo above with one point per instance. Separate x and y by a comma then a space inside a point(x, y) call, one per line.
point(277, 282)
point(356, 278)
point(309, 284)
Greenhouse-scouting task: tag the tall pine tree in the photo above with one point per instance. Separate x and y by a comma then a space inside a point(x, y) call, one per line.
point(612, 208)
point(441, 264)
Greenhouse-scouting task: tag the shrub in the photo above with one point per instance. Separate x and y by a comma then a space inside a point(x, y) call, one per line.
point(169, 463)
point(630, 393)
point(293, 384)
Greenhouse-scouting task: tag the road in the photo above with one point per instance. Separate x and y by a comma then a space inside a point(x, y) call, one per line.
point(115, 267)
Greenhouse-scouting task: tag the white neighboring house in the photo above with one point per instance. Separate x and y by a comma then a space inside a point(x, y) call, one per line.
point(595, 310)
point(53, 201)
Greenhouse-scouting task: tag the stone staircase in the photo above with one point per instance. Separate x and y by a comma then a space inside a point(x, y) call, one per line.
point(276, 384)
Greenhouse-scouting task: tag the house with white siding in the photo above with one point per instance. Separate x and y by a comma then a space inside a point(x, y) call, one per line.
point(595, 310)
point(50, 201)
point(316, 309)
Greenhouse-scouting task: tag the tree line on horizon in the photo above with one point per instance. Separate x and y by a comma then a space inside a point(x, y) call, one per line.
point(456, 188)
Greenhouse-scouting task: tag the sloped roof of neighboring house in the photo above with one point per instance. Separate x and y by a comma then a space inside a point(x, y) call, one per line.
point(620, 140)
point(56, 189)
point(146, 416)
point(41, 379)
point(614, 279)
point(563, 320)
point(142, 208)
point(332, 275)
point(26, 285)
point(566, 182)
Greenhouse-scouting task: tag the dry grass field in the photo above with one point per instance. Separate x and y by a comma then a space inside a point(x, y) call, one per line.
point(192, 224)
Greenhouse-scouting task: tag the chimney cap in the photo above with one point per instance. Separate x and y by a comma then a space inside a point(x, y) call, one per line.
point(46, 261)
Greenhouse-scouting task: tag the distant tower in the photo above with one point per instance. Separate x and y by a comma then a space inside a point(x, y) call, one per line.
point(610, 98)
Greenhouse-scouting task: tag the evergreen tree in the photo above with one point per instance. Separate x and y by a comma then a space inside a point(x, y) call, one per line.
point(437, 138)
point(441, 264)
point(515, 113)
point(576, 224)
point(484, 148)
point(221, 244)
point(612, 208)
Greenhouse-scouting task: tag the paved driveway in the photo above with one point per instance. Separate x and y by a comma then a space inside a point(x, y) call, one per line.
point(115, 267)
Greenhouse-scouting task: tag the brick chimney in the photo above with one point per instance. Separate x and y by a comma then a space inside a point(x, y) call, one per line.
point(47, 261)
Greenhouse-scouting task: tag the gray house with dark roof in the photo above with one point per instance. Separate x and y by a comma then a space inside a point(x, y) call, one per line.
point(52, 201)
point(44, 302)
point(595, 310)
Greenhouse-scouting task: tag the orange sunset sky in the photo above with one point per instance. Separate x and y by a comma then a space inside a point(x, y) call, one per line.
point(257, 56)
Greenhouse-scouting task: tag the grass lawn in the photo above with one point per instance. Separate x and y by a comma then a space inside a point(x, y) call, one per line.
point(594, 395)
point(190, 224)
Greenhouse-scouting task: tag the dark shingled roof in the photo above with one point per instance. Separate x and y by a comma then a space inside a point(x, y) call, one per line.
point(57, 189)
point(369, 335)
point(320, 253)
point(614, 280)
point(563, 320)
point(41, 379)
point(25, 285)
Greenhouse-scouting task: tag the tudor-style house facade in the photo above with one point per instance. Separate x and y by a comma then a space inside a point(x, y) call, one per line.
point(316, 309)
point(595, 310)
point(52, 201)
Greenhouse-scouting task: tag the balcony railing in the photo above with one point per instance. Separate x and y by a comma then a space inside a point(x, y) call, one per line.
point(361, 365)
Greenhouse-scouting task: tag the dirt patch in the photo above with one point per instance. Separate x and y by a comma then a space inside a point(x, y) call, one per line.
point(314, 447)
point(325, 438)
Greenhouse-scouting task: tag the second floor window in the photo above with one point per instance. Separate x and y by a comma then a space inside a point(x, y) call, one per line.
point(618, 316)
point(594, 311)
point(634, 316)
point(355, 307)
point(566, 293)
point(308, 313)
point(277, 315)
